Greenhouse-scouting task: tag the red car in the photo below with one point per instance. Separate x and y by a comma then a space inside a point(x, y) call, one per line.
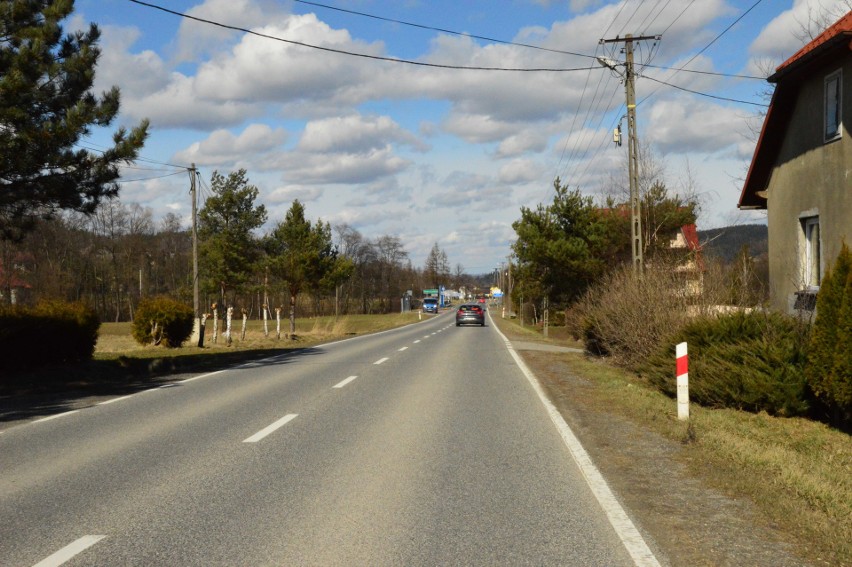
point(470, 313)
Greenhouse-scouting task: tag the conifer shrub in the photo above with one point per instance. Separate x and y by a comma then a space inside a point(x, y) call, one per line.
point(162, 321)
point(749, 361)
point(829, 367)
point(52, 332)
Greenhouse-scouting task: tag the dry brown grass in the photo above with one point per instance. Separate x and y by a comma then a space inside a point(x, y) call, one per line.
point(114, 339)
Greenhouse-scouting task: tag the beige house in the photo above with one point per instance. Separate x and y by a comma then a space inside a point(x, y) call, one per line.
point(691, 269)
point(801, 172)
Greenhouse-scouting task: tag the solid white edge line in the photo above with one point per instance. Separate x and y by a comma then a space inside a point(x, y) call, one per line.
point(381, 360)
point(344, 382)
point(69, 551)
point(115, 400)
point(269, 429)
point(200, 377)
point(618, 518)
point(48, 418)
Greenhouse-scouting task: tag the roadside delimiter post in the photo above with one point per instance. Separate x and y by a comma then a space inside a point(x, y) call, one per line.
point(682, 382)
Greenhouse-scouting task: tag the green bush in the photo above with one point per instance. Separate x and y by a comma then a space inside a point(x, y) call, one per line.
point(829, 368)
point(162, 321)
point(749, 361)
point(52, 332)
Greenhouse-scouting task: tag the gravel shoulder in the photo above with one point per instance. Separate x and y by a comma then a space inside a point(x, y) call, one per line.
point(685, 519)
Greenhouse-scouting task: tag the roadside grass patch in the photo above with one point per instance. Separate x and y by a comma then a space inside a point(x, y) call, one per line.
point(797, 471)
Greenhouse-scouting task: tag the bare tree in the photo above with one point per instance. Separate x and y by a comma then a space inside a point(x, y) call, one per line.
point(818, 18)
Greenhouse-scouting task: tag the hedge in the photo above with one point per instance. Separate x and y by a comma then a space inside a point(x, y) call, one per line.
point(52, 332)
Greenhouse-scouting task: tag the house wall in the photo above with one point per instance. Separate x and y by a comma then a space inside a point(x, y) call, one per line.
point(811, 178)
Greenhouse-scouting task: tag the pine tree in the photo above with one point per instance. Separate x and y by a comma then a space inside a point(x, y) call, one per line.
point(301, 254)
point(46, 109)
point(228, 248)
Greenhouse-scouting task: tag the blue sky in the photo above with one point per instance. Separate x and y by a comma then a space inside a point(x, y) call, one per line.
point(430, 154)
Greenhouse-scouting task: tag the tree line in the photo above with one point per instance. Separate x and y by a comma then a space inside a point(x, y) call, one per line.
point(120, 254)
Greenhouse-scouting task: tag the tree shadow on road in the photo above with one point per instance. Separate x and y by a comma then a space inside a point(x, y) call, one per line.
point(51, 390)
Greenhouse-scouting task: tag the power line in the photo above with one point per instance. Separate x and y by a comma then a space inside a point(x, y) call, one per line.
point(702, 94)
point(355, 54)
point(409, 61)
point(95, 148)
point(442, 30)
point(706, 47)
point(150, 178)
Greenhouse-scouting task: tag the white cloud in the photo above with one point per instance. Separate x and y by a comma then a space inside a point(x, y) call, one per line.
point(223, 148)
point(197, 38)
point(685, 125)
point(291, 193)
point(791, 29)
point(520, 171)
point(354, 134)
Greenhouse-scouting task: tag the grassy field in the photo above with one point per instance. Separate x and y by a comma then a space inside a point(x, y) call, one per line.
point(797, 471)
point(114, 339)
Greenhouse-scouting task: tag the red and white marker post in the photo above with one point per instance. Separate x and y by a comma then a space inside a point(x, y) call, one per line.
point(682, 382)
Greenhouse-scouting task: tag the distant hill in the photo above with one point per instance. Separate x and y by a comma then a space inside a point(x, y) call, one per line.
point(725, 243)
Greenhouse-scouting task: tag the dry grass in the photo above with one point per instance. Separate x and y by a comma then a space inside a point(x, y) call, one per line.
point(114, 339)
point(797, 471)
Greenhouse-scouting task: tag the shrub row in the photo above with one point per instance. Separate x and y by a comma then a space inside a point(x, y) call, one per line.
point(748, 361)
point(745, 359)
point(52, 332)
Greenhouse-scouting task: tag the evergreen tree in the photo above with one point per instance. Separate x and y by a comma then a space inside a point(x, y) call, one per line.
point(563, 247)
point(228, 250)
point(46, 108)
point(433, 266)
point(829, 371)
point(302, 255)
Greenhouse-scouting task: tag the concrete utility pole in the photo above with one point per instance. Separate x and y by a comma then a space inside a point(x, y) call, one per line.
point(197, 330)
point(632, 141)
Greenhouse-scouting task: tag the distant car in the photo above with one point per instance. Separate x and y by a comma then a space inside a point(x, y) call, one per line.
point(430, 305)
point(470, 313)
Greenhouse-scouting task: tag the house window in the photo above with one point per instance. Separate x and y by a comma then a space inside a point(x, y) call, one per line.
point(811, 253)
point(833, 98)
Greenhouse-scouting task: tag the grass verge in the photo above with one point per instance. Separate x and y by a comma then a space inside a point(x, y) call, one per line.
point(797, 472)
point(121, 365)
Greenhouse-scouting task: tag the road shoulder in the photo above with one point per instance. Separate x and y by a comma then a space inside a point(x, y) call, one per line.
point(690, 521)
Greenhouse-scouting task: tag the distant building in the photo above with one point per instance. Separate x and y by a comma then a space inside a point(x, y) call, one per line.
point(801, 171)
point(690, 267)
point(14, 287)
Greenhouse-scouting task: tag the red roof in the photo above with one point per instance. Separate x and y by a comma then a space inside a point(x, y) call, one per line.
point(690, 234)
point(840, 27)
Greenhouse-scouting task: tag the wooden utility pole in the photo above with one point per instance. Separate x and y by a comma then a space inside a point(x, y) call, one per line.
point(632, 143)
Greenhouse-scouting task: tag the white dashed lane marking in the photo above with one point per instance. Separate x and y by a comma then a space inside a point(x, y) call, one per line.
point(344, 382)
point(270, 429)
point(69, 551)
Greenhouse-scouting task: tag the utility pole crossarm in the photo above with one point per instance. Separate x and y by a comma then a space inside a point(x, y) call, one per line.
point(629, 37)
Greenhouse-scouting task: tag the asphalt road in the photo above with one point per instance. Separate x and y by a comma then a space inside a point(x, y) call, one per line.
point(425, 445)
